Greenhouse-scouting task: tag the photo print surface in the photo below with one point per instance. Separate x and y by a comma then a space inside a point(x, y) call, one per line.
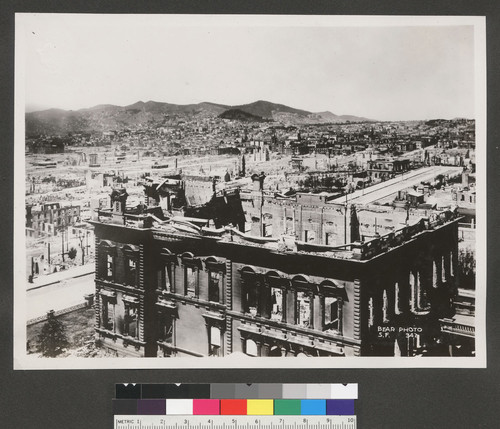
point(243, 191)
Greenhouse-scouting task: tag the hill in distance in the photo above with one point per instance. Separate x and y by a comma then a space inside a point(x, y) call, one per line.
point(241, 115)
point(106, 117)
point(266, 109)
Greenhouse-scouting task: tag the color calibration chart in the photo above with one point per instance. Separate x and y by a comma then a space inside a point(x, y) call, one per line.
point(235, 406)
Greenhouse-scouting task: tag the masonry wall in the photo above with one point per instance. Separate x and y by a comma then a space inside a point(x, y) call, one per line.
point(319, 222)
point(190, 330)
point(423, 269)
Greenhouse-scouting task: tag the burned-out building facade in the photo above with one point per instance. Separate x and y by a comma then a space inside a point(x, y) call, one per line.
point(385, 168)
point(49, 218)
point(172, 288)
point(323, 218)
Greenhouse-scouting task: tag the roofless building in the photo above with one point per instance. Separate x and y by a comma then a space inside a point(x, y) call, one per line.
point(178, 288)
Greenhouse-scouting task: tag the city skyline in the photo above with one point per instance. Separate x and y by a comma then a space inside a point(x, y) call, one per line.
point(393, 72)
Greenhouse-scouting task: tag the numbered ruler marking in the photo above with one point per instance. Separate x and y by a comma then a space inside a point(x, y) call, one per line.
point(234, 422)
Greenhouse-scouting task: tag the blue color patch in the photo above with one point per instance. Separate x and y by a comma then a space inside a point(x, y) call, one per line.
point(313, 407)
point(340, 407)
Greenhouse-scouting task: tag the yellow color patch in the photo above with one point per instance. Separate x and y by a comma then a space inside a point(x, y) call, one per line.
point(260, 407)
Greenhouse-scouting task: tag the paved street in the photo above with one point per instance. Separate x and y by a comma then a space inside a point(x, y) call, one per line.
point(58, 296)
point(392, 186)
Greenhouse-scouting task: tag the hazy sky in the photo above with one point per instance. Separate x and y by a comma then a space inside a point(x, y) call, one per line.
point(386, 73)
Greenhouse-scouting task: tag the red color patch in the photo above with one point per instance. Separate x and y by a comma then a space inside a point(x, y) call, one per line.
point(235, 407)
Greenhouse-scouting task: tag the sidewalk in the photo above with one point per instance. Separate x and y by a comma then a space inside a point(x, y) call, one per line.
point(49, 279)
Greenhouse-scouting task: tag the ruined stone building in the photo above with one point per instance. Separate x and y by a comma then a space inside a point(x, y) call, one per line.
point(459, 330)
point(175, 288)
point(49, 218)
point(319, 218)
point(384, 168)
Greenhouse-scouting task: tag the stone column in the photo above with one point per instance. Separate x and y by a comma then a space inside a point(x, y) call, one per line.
point(140, 268)
point(265, 349)
point(446, 267)
point(435, 274)
point(284, 229)
point(259, 348)
point(97, 301)
point(284, 293)
point(385, 306)
point(290, 307)
point(228, 290)
point(140, 318)
point(406, 292)
point(378, 304)
point(453, 262)
point(321, 238)
point(396, 309)
point(357, 310)
point(259, 290)
point(265, 300)
point(413, 290)
point(312, 312)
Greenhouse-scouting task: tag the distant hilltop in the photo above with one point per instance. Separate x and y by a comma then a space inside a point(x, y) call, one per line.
point(106, 117)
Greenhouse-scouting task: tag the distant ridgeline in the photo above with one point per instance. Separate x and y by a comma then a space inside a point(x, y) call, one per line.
point(107, 117)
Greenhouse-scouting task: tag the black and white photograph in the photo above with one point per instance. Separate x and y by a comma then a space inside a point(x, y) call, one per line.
point(242, 191)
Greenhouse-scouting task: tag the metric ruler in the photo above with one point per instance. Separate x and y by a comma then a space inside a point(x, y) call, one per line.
point(233, 422)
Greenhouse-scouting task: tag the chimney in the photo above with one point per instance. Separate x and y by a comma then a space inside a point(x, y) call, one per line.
point(118, 205)
point(258, 181)
point(465, 179)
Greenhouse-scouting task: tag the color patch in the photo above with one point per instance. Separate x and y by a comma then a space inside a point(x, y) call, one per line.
point(236, 391)
point(199, 391)
point(154, 391)
point(222, 391)
point(287, 407)
point(313, 407)
point(209, 407)
point(318, 391)
point(340, 407)
point(179, 407)
point(236, 407)
point(176, 391)
point(124, 407)
point(344, 391)
point(260, 407)
point(151, 406)
point(271, 390)
point(246, 391)
point(294, 391)
point(128, 391)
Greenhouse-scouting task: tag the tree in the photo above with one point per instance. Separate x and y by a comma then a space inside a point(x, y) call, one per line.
point(53, 338)
point(243, 166)
point(72, 253)
point(467, 269)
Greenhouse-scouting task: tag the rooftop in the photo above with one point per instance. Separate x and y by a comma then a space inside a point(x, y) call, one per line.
point(180, 227)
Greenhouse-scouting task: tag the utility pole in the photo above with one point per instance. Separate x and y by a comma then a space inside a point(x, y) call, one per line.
point(345, 219)
point(262, 227)
point(87, 245)
point(81, 237)
point(62, 243)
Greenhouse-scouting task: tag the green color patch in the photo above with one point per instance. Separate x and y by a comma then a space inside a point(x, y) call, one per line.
point(287, 407)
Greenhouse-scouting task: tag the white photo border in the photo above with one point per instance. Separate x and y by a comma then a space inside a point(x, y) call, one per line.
point(24, 361)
